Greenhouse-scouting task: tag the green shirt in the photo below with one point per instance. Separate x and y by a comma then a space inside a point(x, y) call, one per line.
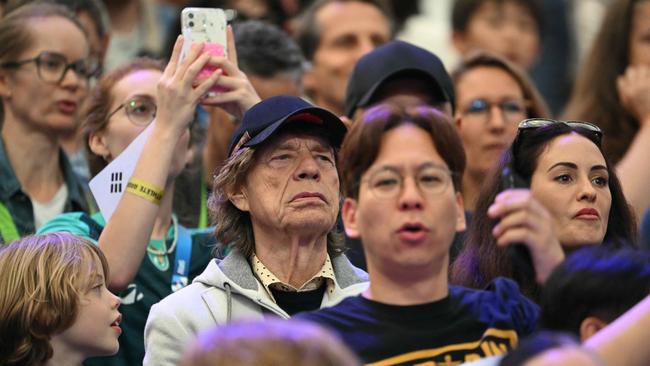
point(152, 282)
point(17, 203)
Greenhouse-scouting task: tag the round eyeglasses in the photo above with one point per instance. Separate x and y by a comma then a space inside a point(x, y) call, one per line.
point(140, 110)
point(512, 110)
point(52, 66)
point(430, 180)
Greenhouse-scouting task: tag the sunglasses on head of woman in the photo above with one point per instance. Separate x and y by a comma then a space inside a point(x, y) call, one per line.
point(532, 123)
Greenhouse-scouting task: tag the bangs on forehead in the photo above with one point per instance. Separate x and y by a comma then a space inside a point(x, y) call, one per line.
point(90, 268)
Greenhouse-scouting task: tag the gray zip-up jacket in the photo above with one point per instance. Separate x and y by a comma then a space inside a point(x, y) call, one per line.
point(227, 290)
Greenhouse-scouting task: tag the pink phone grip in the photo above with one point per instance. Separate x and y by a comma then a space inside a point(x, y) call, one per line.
point(214, 49)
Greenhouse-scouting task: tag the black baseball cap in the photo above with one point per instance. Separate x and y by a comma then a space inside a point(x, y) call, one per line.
point(389, 61)
point(266, 117)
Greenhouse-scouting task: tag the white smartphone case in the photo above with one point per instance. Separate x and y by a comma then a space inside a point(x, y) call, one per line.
point(203, 25)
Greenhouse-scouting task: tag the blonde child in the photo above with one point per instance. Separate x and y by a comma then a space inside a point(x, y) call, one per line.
point(55, 308)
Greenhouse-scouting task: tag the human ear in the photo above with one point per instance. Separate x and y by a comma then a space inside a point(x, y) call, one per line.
point(590, 326)
point(5, 90)
point(240, 200)
point(349, 215)
point(461, 225)
point(459, 42)
point(309, 81)
point(98, 145)
point(458, 122)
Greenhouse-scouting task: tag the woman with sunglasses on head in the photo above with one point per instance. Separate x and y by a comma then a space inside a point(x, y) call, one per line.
point(573, 198)
point(45, 68)
point(150, 253)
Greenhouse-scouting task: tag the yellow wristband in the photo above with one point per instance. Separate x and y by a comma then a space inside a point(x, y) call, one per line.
point(145, 190)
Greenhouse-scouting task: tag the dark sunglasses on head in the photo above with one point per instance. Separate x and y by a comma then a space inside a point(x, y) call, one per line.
point(532, 123)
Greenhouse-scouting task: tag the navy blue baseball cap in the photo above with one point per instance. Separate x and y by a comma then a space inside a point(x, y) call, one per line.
point(266, 117)
point(391, 61)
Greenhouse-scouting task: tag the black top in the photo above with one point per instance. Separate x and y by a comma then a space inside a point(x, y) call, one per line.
point(295, 302)
point(465, 326)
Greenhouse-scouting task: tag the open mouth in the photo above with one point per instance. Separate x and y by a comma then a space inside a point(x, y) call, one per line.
point(115, 325)
point(67, 106)
point(412, 232)
point(412, 228)
point(117, 321)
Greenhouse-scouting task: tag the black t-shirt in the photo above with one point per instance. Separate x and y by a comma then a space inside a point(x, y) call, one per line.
point(465, 326)
point(295, 302)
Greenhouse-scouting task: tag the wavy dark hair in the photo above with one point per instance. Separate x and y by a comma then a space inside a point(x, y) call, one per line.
point(481, 260)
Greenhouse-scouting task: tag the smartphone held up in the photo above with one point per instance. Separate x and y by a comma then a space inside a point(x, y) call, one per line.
point(206, 26)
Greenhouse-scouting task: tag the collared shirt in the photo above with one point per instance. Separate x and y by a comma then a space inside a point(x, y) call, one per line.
point(270, 281)
point(18, 202)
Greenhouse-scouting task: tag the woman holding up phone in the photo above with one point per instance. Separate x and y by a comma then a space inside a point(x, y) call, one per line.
point(45, 68)
point(149, 252)
point(575, 199)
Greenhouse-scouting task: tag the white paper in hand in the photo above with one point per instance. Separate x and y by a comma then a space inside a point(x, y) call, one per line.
point(108, 186)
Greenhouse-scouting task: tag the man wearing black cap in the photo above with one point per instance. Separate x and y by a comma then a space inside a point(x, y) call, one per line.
point(275, 203)
point(401, 73)
point(404, 74)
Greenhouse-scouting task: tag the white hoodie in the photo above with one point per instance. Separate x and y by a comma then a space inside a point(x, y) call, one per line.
point(227, 290)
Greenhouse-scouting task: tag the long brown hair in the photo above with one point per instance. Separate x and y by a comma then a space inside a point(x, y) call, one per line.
point(595, 97)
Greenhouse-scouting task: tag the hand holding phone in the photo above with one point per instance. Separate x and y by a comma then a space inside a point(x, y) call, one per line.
point(206, 26)
point(519, 252)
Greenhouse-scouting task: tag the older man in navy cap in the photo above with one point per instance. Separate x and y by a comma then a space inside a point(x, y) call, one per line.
point(275, 203)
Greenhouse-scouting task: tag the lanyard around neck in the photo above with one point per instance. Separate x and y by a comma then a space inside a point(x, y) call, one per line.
point(182, 258)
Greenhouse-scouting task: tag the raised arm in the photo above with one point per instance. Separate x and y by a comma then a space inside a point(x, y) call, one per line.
point(126, 235)
point(634, 92)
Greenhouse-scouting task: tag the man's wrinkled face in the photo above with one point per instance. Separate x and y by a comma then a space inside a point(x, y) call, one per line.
point(292, 185)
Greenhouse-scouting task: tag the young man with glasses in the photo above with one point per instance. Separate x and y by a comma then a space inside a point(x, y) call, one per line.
point(401, 175)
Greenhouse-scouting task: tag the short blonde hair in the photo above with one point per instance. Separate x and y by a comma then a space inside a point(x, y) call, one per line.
point(268, 343)
point(42, 279)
